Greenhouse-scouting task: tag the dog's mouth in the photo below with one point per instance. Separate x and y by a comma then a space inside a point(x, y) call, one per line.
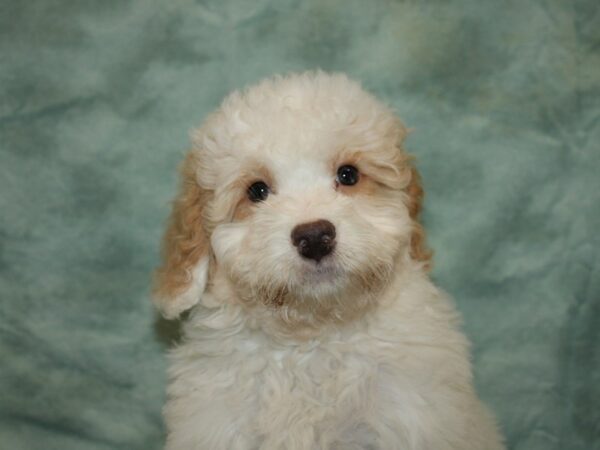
point(325, 271)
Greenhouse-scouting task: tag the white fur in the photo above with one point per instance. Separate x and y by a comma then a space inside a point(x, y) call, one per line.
point(336, 365)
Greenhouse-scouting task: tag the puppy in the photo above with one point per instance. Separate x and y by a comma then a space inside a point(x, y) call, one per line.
point(296, 236)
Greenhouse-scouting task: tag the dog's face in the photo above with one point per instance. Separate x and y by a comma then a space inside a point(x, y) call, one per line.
point(299, 197)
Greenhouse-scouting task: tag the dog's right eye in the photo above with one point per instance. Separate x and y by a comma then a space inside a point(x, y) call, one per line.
point(259, 191)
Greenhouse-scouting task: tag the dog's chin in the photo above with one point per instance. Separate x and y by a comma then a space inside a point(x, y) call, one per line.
point(330, 279)
point(324, 272)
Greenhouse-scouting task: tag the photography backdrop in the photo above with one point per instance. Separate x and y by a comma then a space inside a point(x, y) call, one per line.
point(96, 102)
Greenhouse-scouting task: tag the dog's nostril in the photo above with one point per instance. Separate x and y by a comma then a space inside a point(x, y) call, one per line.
point(314, 239)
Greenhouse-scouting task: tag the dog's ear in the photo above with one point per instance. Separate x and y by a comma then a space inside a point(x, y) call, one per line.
point(181, 279)
point(418, 247)
point(405, 164)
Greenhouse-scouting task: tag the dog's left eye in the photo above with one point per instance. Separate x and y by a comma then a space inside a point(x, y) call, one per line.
point(347, 175)
point(259, 191)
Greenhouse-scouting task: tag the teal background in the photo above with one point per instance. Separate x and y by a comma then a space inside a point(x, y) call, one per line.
point(96, 102)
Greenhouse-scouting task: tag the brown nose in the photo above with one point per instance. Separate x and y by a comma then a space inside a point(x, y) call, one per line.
point(314, 239)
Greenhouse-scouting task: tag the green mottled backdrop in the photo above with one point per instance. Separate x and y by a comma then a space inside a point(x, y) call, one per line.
point(96, 101)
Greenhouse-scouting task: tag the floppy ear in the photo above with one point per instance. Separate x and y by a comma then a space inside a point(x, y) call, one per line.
point(414, 193)
point(418, 247)
point(181, 279)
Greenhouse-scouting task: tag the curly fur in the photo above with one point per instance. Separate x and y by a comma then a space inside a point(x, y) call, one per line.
point(358, 351)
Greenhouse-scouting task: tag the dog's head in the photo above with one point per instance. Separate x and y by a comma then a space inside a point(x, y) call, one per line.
point(299, 197)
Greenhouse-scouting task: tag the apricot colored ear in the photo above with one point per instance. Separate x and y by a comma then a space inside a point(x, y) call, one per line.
point(181, 279)
point(418, 247)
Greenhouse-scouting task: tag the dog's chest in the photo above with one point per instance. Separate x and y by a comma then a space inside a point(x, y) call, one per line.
point(324, 373)
point(349, 388)
point(364, 389)
point(323, 390)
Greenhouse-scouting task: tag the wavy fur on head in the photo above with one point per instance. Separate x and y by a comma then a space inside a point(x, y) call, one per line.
point(357, 350)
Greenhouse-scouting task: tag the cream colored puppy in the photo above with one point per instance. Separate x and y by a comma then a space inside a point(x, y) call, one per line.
point(315, 326)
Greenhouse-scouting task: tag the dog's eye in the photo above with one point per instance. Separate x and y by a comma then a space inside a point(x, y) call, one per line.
point(259, 191)
point(347, 175)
